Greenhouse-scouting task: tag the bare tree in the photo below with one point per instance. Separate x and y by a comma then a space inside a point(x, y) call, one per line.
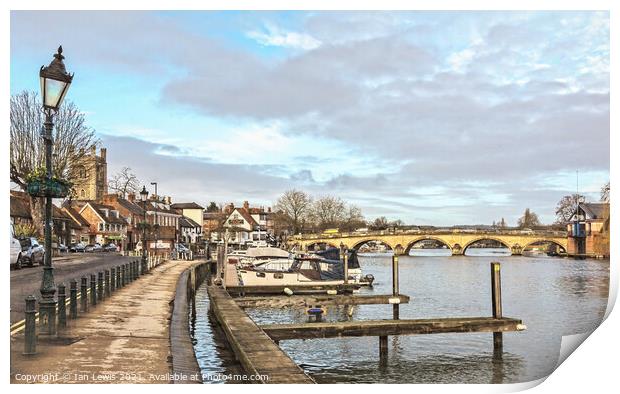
point(124, 182)
point(328, 212)
point(605, 192)
point(380, 223)
point(566, 207)
point(72, 140)
point(529, 219)
point(353, 219)
point(294, 206)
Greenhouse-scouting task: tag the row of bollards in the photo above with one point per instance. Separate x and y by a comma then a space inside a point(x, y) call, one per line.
point(102, 285)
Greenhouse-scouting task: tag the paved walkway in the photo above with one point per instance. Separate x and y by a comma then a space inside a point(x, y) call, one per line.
point(125, 339)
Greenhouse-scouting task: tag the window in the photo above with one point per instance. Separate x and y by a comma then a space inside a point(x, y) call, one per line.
point(100, 226)
point(82, 193)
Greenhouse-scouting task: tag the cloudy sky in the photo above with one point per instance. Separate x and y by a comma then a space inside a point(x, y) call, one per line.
point(431, 117)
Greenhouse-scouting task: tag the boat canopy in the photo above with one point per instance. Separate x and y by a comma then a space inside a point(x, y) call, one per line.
point(267, 252)
point(332, 255)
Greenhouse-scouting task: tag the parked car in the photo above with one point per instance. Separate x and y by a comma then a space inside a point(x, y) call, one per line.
point(16, 251)
point(110, 248)
point(90, 248)
point(32, 251)
point(182, 248)
point(62, 248)
point(79, 247)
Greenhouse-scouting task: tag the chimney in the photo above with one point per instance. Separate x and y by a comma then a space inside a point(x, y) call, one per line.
point(268, 209)
point(103, 153)
point(246, 206)
point(168, 200)
point(93, 149)
point(131, 196)
point(229, 208)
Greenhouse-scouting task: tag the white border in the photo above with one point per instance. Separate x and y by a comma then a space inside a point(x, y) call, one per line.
point(592, 368)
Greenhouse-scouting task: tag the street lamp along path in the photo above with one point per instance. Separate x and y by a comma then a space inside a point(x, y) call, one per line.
point(55, 82)
point(144, 194)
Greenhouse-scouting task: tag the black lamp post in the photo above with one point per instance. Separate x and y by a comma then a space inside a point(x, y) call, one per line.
point(156, 220)
point(55, 81)
point(143, 196)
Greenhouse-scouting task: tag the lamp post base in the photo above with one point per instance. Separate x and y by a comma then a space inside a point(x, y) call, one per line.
point(47, 305)
point(47, 317)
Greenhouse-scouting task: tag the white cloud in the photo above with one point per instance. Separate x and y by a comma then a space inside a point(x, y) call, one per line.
point(274, 36)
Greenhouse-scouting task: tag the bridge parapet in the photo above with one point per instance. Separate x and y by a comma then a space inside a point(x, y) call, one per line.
point(457, 241)
point(540, 233)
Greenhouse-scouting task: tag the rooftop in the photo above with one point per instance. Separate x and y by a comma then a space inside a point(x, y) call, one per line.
point(186, 205)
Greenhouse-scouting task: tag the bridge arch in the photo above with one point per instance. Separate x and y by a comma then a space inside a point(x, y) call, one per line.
point(487, 238)
point(359, 244)
point(550, 241)
point(423, 238)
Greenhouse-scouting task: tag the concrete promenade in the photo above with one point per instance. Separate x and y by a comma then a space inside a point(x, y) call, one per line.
point(125, 339)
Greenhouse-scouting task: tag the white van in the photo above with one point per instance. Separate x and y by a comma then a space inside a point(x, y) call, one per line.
point(16, 250)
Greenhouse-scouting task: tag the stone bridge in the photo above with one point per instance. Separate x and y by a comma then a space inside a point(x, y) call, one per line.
point(456, 240)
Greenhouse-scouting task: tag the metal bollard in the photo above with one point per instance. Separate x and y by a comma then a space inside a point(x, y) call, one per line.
point(93, 289)
point(84, 294)
point(125, 274)
point(118, 277)
point(62, 307)
point(107, 283)
point(73, 299)
point(30, 327)
point(135, 270)
point(100, 285)
point(112, 279)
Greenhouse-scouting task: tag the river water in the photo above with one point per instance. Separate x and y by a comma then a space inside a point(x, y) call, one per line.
point(553, 297)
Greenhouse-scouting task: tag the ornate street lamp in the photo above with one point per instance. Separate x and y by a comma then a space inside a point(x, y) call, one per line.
point(55, 81)
point(144, 194)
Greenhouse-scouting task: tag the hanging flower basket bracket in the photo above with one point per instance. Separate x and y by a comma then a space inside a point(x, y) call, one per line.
point(48, 188)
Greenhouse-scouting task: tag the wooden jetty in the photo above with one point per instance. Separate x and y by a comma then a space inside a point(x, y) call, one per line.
point(256, 346)
point(257, 353)
point(279, 332)
point(318, 299)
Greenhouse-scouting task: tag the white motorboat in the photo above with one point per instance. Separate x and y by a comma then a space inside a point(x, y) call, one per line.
point(270, 268)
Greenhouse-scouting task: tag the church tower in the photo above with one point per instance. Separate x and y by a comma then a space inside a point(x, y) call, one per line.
point(91, 182)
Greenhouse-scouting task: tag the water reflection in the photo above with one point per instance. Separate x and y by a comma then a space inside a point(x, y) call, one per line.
point(212, 352)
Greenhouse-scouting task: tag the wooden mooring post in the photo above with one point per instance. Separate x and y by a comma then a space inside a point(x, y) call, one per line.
point(395, 287)
point(345, 256)
point(496, 300)
point(383, 340)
